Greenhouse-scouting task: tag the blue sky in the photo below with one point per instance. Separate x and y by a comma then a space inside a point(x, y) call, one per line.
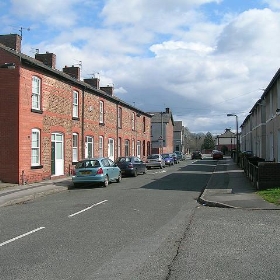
point(200, 58)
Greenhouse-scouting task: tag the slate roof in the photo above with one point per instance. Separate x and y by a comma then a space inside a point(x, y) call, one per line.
point(25, 59)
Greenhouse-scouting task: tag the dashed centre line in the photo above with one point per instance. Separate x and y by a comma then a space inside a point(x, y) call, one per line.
point(79, 212)
point(21, 236)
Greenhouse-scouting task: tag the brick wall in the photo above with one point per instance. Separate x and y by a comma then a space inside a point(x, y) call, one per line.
point(55, 117)
point(168, 147)
point(9, 131)
point(268, 175)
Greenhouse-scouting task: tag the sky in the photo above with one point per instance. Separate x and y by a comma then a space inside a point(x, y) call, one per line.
point(203, 59)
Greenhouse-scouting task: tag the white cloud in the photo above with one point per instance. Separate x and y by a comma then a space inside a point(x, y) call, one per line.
point(162, 54)
point(273, 4)
point(56, 13)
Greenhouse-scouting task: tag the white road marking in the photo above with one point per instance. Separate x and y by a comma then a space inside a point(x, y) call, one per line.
point(20, 236)
point(72, 215)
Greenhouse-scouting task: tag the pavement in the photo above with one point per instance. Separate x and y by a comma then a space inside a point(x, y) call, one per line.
point(228, 187)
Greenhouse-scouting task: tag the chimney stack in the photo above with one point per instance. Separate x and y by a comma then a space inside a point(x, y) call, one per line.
point(109, 90)
point(72, 71)
point(47, 58)
point(94, 82)
point(12, 41)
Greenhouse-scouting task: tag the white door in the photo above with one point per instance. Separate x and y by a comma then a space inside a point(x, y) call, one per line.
point(111, 154)
point(278, 146)
point(57, 156)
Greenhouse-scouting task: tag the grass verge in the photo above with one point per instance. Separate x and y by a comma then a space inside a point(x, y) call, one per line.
point(271, 195)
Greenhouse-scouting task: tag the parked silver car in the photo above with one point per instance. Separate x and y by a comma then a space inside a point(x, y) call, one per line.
point(155, 160)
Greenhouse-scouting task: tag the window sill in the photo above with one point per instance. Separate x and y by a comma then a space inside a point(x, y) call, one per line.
point(36, 111)
point(37, 167)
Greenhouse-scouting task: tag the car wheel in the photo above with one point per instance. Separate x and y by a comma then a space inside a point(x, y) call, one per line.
point(135, 173)
point(106, 182)
point(119, 177)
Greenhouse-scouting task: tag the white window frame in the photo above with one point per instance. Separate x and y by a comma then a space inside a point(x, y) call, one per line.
point(101, 146)
point(101, 112)
point(35, 147)
point(75, 141)
point(75, 104)
point(36, 93)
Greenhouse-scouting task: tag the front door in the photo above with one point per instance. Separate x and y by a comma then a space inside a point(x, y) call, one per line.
point(57, 156)
point(111, 153)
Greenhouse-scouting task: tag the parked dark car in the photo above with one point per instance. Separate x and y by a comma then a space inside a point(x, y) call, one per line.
point(180, 155)
point(96, 171)
point(168, 158)
point(155, 160)
point(196, 155)
point(131, 165)
point(175, 158)
point(217, 155)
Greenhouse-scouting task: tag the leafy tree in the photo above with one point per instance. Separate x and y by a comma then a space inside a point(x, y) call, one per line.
point(209, 143)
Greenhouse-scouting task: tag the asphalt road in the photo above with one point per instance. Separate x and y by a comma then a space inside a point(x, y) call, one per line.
point(148, 227)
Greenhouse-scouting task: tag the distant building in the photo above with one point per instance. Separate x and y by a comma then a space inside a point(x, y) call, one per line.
point(162, 132)
point(226, 141)
point(178, 136)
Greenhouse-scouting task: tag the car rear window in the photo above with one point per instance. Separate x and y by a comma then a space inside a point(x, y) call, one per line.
point(153, 156)
point(123, 159)
point(88, 164)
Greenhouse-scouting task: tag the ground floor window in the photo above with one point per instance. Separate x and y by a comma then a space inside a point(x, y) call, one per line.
point(35, 147)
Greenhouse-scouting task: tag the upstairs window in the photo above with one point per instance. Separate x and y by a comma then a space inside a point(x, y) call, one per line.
point(36, 93)
point(101, 112)
point(75, 104)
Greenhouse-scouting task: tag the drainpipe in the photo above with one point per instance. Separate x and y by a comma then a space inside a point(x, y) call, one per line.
point(117, 130)
point(83, 124)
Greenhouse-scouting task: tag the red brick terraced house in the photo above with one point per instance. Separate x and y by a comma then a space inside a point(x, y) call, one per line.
point(50, 119)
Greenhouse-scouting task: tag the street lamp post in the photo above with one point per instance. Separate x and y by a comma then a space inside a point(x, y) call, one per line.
point(237, 142)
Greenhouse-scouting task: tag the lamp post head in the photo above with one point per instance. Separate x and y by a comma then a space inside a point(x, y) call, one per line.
point(231, 115)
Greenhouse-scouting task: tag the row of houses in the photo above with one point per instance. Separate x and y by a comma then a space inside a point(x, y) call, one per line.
point(50, 119)
point(260, 131)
